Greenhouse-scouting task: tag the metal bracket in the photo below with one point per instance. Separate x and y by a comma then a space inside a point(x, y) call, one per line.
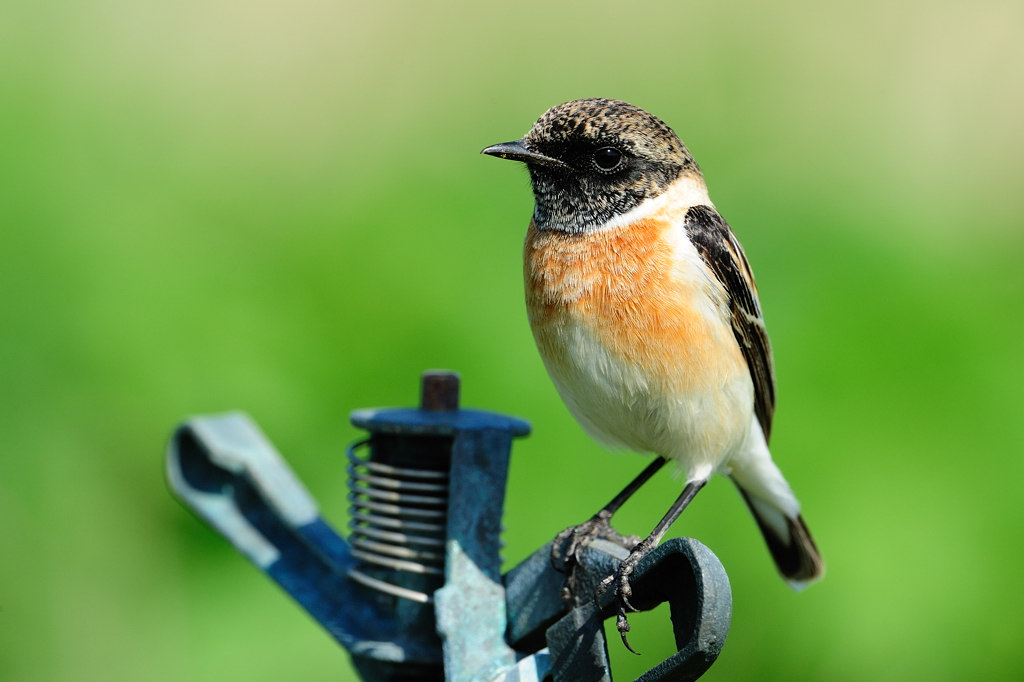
point(472, 624)
point(681, 571)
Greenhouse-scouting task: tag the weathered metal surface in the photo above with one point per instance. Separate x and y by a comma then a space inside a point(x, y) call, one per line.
point(416, 592)
point(681, 571)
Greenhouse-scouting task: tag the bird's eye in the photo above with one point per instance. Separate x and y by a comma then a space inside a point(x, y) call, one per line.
point(607, 158)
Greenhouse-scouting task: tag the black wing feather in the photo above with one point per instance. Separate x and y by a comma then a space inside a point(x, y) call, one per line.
point(724, 256)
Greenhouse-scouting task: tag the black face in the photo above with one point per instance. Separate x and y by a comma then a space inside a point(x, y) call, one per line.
point(600, 181)
point(613, 156)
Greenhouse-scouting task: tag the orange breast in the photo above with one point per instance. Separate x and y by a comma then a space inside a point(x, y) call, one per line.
point(643, 293)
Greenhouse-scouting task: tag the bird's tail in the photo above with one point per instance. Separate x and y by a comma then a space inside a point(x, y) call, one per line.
point(776, 510)
point(789, 541)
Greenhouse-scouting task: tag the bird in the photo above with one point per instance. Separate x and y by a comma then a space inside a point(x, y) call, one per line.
point(647, 318)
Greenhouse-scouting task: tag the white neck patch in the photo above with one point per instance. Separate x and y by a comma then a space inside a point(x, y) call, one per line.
point(684, 192)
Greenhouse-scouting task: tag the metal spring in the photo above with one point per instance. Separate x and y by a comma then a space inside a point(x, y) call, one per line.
point(398, 521)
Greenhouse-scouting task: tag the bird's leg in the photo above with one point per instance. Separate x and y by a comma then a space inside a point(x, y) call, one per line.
point(567, 546)
point(623, 590)
point(597, 525)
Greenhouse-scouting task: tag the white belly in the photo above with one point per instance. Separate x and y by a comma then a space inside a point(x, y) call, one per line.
point(626, 406)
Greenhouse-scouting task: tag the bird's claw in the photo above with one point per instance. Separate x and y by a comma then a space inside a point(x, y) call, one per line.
point(624, 590)
point(567, 555)
point(567, 548)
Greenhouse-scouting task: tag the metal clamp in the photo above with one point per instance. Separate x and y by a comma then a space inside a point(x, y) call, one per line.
point(417, 592)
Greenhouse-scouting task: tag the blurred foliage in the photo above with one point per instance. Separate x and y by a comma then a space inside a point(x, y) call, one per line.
point(280, 207)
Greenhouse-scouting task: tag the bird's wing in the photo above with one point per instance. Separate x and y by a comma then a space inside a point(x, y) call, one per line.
point(724, 256)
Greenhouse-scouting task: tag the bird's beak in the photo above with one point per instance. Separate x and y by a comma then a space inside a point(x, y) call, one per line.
point(518, 151)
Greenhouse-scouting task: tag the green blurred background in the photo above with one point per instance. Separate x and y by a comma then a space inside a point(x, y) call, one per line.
point(281, 207)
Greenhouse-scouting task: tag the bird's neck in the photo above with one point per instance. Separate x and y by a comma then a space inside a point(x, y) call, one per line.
point(684, 192)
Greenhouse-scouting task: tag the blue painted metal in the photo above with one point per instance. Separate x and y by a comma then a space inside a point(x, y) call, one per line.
point(416, 592)
point(470, 606)
point(681, 571)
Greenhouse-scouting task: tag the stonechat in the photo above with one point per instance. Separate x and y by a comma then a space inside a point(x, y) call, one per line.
point(646, 315)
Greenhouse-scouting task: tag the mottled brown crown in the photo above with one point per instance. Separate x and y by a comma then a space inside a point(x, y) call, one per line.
point(579, 195)
point(610, 121)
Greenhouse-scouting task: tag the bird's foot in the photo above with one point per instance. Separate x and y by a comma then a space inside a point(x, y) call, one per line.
point(620, 581)
point(567, 548)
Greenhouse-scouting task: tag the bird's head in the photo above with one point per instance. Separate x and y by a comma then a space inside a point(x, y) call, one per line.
point(591, 160)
